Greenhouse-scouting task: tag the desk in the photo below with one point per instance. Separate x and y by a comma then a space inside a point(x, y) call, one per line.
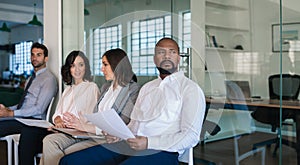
point(292, 106)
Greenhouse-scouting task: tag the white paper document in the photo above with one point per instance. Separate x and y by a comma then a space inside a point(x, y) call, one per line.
point(35, 122)
point(78, 134)
point(110, 122)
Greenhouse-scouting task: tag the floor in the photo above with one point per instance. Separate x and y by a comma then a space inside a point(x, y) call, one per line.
point(222, 152)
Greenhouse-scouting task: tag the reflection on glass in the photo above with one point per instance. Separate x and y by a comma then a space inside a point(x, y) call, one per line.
point(238, 46)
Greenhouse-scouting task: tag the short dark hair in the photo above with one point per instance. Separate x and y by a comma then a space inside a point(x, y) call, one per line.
point(65, 69)
point(167, 38)
point(120, 65)
point(40, 46)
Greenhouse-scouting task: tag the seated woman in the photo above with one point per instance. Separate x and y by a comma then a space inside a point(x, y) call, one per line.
point(80, 95)
point(120, 94)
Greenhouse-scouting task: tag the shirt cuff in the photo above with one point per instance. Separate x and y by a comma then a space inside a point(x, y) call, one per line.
point(17, 113)
point(153, 142)
point(13, 107)
point(98, 131)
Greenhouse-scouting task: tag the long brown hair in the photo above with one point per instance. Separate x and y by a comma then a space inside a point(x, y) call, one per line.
point(65, 69)
point(120, 65)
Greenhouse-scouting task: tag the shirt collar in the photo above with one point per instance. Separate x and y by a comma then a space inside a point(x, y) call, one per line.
point(173, 76)
point(40, 71)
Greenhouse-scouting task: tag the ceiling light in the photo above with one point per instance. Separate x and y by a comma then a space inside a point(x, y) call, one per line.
point(34, 20)
point(86, 12)
point(4, 28)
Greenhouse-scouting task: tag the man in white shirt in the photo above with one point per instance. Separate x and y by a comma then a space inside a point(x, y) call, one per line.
point(166, 119)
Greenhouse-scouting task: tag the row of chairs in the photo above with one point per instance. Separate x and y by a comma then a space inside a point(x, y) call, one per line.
point(212, 128)
point(208, 126)
point(13, 140)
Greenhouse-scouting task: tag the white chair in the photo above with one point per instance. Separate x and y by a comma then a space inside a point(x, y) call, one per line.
point(187, 157)
point(191, 157)
point(16, 137)
point(8, 140)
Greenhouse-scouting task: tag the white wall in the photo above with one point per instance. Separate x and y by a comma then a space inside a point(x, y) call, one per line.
point(262, 19)
point(258, 64)
point(26, 33)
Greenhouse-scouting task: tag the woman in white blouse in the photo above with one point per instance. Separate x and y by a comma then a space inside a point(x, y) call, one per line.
point(119, 93)
point(80, 96)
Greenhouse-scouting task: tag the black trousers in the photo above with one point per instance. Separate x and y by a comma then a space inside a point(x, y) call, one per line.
point(8, 127)
point(31, 143)
point(31, 139)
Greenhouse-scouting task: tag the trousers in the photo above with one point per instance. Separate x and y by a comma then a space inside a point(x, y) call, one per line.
point(31, 143)
point(9, 127)
point(57, 145)
point(119, 154)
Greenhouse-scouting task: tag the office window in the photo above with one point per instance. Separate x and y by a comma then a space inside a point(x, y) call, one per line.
point(186, 31)
point(104, 39)
point(144, 35)
point(21, 62)
point(185, 44)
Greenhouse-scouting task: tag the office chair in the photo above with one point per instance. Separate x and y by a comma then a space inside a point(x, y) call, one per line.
point(212, 129)
point(290, 91)
point(16, 137)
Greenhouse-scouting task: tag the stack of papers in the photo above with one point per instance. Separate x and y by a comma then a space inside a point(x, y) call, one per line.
point(110, 122)
point(35, 122)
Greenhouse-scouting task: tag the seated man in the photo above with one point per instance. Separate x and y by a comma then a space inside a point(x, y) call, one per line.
point(166, 119)
point(39, 91)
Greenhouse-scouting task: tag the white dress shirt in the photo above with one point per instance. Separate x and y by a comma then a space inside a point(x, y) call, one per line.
point(169, 113)
point(78, 98)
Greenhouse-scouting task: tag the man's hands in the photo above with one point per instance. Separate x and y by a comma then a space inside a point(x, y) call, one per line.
point(138, 143)
point(5, 112)
point(110, 138)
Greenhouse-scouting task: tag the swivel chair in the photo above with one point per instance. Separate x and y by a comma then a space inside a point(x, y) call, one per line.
point(290, 92)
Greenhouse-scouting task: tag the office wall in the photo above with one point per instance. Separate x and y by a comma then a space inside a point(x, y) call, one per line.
point(262, 19)
point(26, 33)
point(4, 55)
point(18, 34)
point(112, 13)
point(260, 62)
point(263, 61)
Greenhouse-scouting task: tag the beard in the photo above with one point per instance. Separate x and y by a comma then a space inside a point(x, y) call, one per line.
point(163, 70)
point(37, 65)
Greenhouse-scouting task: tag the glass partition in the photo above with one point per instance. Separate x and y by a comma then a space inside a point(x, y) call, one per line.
point(251, 80)
point(134, 26)
point(237, 46)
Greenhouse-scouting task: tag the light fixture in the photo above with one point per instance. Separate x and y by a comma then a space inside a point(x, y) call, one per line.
point(86, 12)
point(34, 20)
point(4, 28)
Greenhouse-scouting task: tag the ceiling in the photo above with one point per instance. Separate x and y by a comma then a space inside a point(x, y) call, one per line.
point(19, 12)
